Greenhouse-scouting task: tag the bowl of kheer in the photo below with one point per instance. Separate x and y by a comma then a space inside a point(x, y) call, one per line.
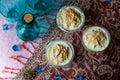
point(70, 18)
point(59, 53)
point(95, 38)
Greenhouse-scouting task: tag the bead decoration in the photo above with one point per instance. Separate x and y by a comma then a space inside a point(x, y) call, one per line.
point(5, 27)
point(78, 59)
point(40, 68)
point(78, 78)
point(109, 0)
point(57, 77)
point(16, 47)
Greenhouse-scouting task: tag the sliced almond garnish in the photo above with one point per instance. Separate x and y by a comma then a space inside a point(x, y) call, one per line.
point(59, 53)
point(96, 37)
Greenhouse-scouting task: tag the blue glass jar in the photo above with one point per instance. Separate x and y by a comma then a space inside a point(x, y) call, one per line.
point(12, 10)
point(41, 6)
point(27, 29)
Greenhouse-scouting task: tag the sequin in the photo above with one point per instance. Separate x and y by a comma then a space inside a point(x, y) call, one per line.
point(109, 0)
point(5, 27)
point(78, 78)
point(78, 59)
point(40, 68)
point(16, 47)
point(57, 77)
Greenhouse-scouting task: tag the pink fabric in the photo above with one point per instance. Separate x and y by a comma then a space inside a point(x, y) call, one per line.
point(7, 40)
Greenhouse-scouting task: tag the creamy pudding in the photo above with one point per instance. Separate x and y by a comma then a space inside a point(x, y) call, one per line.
point(59, 52)
point(70, 18)
point(96, 38)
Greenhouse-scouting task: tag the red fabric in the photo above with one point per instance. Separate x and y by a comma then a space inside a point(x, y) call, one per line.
point(101, 66)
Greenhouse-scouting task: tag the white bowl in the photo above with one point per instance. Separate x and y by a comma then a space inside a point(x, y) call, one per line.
point(88, 47)
point(77, 9)
point(65, 43)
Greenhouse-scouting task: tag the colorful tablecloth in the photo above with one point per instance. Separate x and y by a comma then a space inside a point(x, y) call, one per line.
point(98, 66)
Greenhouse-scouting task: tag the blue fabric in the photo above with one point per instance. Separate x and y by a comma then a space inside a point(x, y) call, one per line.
point(41, 6)
point(43, 30)
point(44, 24)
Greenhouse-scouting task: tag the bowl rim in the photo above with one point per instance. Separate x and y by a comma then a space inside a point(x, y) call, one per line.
point(70, 46)
point(76, 9)
point(105, 30)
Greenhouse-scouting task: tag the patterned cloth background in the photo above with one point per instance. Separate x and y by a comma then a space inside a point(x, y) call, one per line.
point(98, 66)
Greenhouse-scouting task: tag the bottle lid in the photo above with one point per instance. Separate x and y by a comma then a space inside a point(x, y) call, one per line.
point(28, 18)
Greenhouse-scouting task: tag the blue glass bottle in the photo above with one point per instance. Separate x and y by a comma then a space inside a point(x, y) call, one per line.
point(27, 29)
point(12, 10)
point(41, 6)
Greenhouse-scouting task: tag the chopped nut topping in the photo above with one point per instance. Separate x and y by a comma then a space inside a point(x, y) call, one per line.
point(69, 18)
point(96, 38)
point(59, 53)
